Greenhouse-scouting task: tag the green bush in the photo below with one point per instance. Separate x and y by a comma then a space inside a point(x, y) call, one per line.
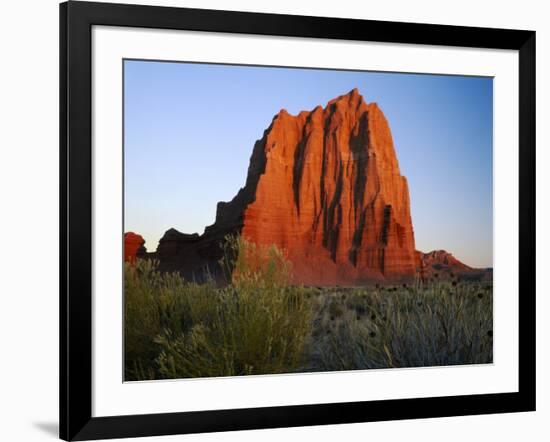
point(177, 329)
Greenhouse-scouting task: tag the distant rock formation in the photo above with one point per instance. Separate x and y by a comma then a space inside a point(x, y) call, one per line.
point(440, 264)
point(325, 187)
point(133, 246)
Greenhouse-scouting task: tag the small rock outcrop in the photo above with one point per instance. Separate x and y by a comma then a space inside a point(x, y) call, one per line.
point(442, 265)
point(133, 247)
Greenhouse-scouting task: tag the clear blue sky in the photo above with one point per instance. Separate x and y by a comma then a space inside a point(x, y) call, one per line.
point(190, 129)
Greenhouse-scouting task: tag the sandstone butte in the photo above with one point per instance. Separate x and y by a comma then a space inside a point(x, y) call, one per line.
point(325, 187)
point(444, 266)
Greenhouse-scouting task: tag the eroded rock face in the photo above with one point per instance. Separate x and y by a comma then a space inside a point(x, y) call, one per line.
point(325, 187)
point(133, 246)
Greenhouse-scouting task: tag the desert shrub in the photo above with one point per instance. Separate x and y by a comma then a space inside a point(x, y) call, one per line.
point(256, 325)
point(335, 308)
point(249, 264)
point(250, 333)
point(142, 318)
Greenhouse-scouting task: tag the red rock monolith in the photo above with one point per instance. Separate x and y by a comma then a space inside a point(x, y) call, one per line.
point(325, 187)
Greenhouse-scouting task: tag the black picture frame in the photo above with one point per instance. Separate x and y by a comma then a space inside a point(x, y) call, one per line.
point(76, 21)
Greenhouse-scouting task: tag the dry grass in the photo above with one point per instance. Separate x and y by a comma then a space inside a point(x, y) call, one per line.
point(409, 327)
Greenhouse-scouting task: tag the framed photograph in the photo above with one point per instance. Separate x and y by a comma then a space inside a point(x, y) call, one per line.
point(273, 220)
